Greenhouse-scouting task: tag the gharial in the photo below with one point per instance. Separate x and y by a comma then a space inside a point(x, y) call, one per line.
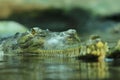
point(48, 43)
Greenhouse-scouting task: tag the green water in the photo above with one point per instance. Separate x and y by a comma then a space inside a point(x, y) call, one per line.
point(39, 68)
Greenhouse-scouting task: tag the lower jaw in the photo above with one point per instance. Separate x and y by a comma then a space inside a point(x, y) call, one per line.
point(71, 52)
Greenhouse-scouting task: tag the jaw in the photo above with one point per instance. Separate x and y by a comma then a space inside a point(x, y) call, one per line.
point(69, 52)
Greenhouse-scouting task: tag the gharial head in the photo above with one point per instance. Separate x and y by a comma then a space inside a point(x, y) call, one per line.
point(39, 38)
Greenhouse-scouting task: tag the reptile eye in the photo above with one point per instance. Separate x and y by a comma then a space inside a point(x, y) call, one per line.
point(33, 31)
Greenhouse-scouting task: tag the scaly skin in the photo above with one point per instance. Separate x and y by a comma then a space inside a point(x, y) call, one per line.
point(47, 43)
point(44, 42)
point(95, 46)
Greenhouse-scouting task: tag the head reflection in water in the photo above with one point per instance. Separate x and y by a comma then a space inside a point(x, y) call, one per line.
point(42, 68)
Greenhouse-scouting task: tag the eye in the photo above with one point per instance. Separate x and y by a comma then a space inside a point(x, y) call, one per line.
point(33, 31)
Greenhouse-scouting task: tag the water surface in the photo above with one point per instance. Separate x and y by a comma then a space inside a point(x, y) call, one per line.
point(46, 68)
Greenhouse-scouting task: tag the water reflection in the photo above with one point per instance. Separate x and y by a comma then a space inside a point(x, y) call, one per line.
point(39, 68)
